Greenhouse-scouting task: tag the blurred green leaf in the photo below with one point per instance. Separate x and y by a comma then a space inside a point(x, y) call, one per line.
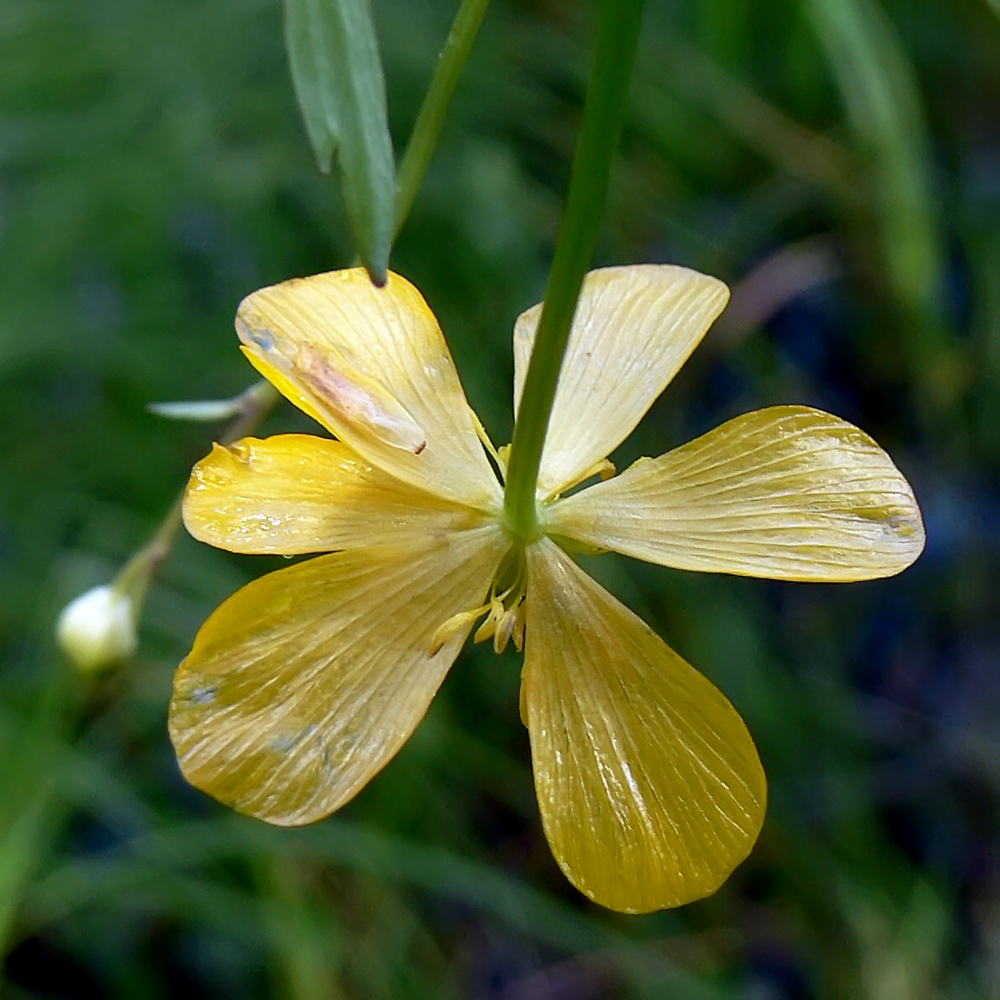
point(305, 936)
point(143, 860)
point(31, 811)
point(880, 91)
point(338, 78)
point(795, 148)
point(902, 947)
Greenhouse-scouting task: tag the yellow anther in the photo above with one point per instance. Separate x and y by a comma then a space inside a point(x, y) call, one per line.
point(488, 444)
point(454, 625)
point(605, 468)
point(504, 622)
point(503, 459)
point(517, 634)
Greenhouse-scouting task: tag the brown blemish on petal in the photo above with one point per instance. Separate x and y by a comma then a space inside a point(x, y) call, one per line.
point(360, 401)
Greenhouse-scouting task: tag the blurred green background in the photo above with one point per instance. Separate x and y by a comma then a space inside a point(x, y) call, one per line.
point(838, 163)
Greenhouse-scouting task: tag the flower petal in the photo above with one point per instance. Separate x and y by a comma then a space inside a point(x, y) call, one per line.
point(295, 493)
point(306, 682)
point(787, 493)
point(648, 782)
point(372, 366)
point(634, 327)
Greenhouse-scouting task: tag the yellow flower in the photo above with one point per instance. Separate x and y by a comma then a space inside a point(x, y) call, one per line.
point(306, 682)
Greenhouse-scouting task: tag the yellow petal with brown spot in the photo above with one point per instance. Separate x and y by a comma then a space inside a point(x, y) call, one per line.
point(372, 365)
point(306, 682)
point(648, 782)
point(787, 493)
point(295, 493)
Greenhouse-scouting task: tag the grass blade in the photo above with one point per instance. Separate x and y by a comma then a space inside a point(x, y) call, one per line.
point(881, 94)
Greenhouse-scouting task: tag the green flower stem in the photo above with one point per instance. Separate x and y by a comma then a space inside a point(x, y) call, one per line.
point(429, 122)
point(255, 403)
point(136, 575)
point(603, 116)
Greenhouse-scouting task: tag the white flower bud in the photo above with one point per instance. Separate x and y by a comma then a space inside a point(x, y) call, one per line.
point(98, 628)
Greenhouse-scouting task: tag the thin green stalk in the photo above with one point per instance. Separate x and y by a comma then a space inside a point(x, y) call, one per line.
point(603, 116)
point(138, 572)
point(427, 129)
point(253, 405)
